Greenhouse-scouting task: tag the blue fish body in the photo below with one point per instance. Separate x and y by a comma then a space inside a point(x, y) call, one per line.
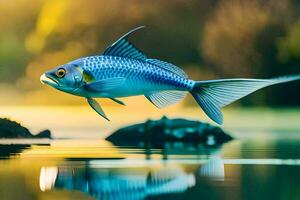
point(123, 70)
point(141, 77)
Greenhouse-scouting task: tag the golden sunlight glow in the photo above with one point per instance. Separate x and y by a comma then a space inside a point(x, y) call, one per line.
point(72, 149)
point(50, 14)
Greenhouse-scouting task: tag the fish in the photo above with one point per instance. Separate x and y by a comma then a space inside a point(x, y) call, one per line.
point(123, 70)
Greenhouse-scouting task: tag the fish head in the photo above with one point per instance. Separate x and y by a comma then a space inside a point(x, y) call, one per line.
point(67, 77)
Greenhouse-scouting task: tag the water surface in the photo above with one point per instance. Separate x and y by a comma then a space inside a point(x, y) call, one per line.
point(263, 162)
point(95, 169)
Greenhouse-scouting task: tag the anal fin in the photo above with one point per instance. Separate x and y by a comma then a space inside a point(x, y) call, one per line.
point(165, 98)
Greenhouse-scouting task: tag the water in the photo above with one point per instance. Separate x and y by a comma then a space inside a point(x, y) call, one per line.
point(262, 162)
point(95, 169)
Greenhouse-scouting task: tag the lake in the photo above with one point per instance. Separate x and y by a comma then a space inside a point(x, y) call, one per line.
point(262, 162)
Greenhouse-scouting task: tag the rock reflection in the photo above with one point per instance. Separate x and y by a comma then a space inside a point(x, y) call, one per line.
point(9, 150)
point(129, 183)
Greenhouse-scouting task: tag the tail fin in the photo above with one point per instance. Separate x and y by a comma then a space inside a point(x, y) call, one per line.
point(212, 95)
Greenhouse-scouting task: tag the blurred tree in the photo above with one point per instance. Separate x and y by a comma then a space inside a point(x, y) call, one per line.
point(14, 25)
point(241, 40)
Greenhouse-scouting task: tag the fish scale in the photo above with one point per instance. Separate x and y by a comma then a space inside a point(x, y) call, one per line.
point(144, 76)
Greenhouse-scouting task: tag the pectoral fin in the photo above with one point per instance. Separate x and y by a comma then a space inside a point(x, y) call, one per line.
point(105, 84)
point(96, 106)
point(118, 101)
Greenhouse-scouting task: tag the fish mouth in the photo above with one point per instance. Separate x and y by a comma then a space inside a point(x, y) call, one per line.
point(45, 79)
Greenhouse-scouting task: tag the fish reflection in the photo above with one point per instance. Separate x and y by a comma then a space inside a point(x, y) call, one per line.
point(129, 183)
point(47, 177)
point(214, 168)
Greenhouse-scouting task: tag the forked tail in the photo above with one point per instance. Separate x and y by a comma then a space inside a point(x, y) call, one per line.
point(212, 95)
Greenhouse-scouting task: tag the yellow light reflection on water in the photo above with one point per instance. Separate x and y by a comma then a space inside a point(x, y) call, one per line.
point(83, 122)
point(74, 149)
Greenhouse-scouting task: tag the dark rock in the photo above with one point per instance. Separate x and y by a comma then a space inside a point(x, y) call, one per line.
point(43, 134)
point(12, 129)
point(169, 130)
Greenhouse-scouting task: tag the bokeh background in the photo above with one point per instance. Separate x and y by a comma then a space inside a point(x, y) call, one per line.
point(208, 39)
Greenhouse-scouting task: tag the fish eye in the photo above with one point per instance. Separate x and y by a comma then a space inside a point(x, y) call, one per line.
point(60, 73)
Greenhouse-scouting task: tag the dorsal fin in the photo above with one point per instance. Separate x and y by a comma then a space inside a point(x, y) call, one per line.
point(168, 66)
point(124, 48)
